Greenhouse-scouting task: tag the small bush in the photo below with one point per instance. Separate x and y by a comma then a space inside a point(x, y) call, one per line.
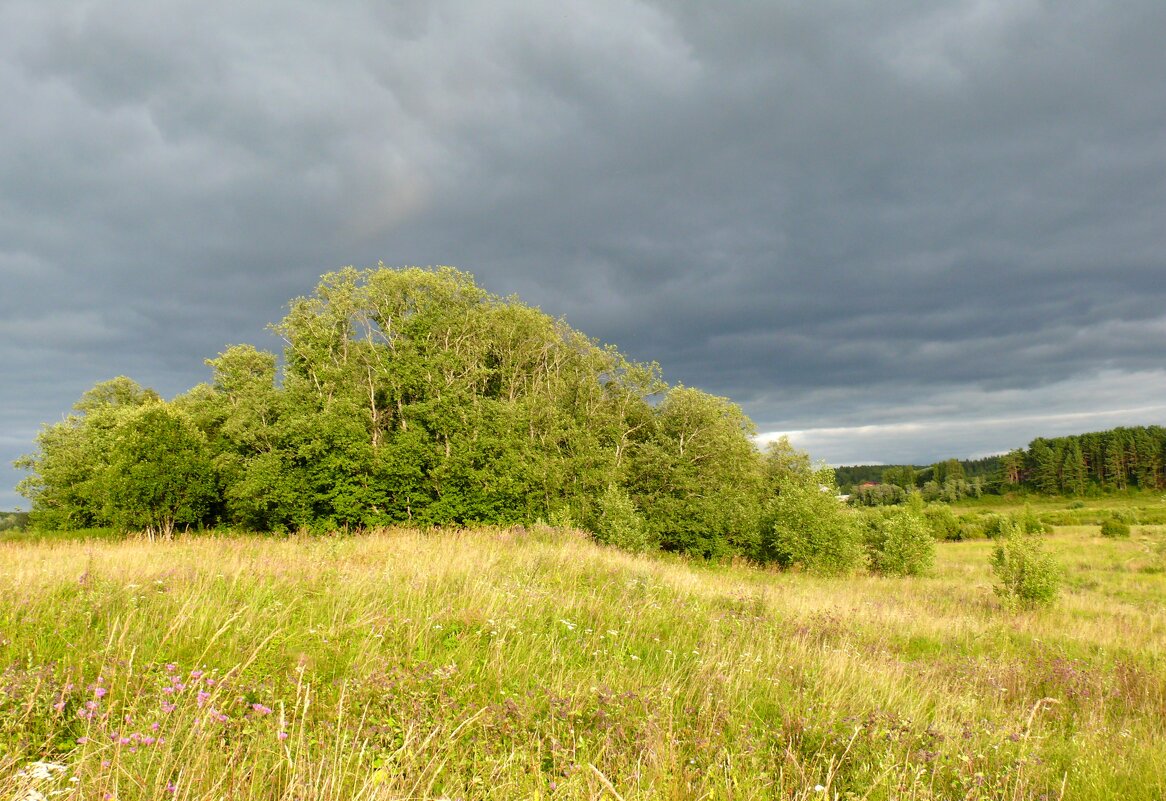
point(1125, 515)
point(1113, 527)
point(620, 524)
point(1025, 574)
point(942, 522)
point(996, 526)
point(971, 527)
point(1030, 522)
point(899, 543)
point(808, 527)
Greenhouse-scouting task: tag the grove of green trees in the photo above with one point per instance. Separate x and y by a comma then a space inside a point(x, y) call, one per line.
point(412, 396)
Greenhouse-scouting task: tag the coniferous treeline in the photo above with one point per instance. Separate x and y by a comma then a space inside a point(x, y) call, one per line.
point(1104, 461)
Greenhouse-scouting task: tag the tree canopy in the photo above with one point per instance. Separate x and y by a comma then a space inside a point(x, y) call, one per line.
point(415, 396)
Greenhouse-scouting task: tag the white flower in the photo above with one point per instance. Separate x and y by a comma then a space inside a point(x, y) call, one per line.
point(41, 771)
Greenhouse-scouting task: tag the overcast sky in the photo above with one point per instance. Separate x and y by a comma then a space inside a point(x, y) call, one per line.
point(900, 231)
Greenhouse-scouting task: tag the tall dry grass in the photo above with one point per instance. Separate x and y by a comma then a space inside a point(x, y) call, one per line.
point(535, 664)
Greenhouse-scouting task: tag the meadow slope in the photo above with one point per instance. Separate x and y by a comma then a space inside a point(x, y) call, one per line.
point(534, 664)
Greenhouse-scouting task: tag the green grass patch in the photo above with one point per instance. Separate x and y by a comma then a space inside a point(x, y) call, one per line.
point(535, 664)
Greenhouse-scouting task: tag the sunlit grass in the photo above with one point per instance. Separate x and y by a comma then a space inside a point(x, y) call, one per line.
point(534, 664)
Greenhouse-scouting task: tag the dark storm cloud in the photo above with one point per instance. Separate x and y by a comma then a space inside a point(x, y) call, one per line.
point(912, 217)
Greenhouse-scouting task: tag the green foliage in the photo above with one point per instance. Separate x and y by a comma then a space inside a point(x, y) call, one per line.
point(620, 524)
point(898, 542)
point(996, 526)
point(1113, 527)
point(1031, 523)
point(942, 522)
point(878, 495)
point(697, 472)
point(807, 526)
point(13, 521)
point(902, 476)
point(411, 396)
point(1025, 574)
point(67, 476)
point(159, 474)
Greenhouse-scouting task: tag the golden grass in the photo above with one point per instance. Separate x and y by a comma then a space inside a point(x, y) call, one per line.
point(535, 664)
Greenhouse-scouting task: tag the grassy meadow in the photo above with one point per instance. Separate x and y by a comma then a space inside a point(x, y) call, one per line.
point(533, 663)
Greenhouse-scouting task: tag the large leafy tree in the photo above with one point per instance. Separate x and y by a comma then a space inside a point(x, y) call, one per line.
point(698, 475)
point(66, 483)
point(159, 473)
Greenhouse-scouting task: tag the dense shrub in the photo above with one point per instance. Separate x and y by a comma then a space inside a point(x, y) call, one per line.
point(996, 526)
point(942, 522)
point(1113, 527)
point(807, 526)
point(898, 542)
point(620, 524)
point(1025, 574)
point(1125, 515)
point(971, 527)
point(878, 495)
point(1031, 523)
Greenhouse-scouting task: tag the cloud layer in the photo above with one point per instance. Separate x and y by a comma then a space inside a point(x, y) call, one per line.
point(925, 218)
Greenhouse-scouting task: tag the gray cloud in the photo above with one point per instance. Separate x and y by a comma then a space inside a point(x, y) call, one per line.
point(840, 215)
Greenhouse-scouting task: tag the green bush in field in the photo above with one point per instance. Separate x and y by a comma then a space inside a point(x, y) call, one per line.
point(620, 524)
point(1025, 574)
point(942, 522)
point(1113, 527)
point(1030, 522)
point(1125, 515)
point(806, 525)
point(996, 526)
point(899, 542)
point(971, 527)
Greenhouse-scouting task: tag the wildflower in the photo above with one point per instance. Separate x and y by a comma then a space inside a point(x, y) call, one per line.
point(100, 692)
point(261, 709)
point(203, 697)
point(168, 708)
point(59, 706)
point(282, 735)
point(171, 667)
point(41, 771)
point(171, 787)
point(196, 674)
point(819, 788)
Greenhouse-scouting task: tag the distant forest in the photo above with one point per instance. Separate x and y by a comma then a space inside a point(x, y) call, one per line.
point(1082, 464)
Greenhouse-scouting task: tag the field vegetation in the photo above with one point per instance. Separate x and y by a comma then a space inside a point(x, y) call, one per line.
point(534, 663)
point(449, 547)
